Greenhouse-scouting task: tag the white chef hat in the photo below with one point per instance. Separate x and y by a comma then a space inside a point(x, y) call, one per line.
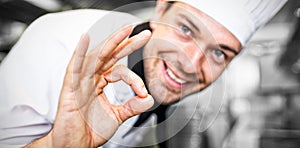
point(241, 17)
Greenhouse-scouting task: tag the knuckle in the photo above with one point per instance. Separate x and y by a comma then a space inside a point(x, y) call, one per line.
point(114, 58)
point(120, 66)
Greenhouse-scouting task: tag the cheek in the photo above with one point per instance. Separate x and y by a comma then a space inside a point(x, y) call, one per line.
point(152, 69)
point(211, 71)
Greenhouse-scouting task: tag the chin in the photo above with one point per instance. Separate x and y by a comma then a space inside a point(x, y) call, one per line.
point(165, 99)
point(162, 95)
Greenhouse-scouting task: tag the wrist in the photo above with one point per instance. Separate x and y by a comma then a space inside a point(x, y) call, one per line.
point(48, 140)
point(45, 142)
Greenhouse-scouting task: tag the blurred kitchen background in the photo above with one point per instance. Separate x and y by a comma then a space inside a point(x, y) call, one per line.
point(261, 101)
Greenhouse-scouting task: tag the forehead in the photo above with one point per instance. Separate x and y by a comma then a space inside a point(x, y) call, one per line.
point(202, 20)
point(193, 13)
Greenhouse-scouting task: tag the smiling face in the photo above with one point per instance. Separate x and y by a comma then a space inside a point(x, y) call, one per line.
point(188, 50)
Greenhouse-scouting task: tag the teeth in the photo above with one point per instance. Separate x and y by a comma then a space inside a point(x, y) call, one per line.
point(172, 75)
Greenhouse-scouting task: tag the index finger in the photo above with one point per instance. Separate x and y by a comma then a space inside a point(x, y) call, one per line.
point(111, 44)
point(125, 48)
point(121, 72)
point(74, 67)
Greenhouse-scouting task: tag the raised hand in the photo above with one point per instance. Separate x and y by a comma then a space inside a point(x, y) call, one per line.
point(85, 117)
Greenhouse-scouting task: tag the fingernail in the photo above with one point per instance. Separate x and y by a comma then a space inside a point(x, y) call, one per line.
point(148, 99)
point(144, 90)
point(146, 32)
point(141, 91)
point(81, 40)
point(83, 36)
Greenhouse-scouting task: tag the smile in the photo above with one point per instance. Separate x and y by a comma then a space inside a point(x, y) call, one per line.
point(172, 79)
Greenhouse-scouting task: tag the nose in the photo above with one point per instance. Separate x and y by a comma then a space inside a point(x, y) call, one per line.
point(191, 59)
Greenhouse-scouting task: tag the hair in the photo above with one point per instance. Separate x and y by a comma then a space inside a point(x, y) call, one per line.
point(169, 4)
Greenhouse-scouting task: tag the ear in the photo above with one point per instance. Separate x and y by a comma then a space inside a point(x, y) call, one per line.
point(159, 10)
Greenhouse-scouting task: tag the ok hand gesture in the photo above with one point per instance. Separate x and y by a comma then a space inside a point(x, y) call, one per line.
point(85, 117)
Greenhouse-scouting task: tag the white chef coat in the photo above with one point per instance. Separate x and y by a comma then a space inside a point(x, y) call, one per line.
point(31, 75)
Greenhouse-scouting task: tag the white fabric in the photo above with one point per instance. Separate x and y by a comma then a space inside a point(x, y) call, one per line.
point(241, 17)
point(31, 75)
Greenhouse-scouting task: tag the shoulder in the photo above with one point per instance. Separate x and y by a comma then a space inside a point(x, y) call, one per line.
point(66, 27)
point(81, 19)
point(67, 22)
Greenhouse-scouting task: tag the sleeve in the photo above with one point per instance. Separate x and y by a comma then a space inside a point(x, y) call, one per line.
point(32, 73)
point(25, 77)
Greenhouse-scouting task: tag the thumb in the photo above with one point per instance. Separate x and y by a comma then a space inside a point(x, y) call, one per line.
point(135, 106)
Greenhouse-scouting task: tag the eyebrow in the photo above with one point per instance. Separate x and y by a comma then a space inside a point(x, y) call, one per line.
point(196, 28)
point(190, 22)
point(229, 48)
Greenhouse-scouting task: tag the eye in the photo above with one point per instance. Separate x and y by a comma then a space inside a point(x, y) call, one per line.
point(219, 55)
point(186, 30)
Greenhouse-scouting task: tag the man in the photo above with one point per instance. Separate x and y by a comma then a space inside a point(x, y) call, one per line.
point(191, 43)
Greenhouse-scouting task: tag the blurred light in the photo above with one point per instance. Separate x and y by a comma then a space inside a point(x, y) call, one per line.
point(244, 77)
point(240, 106)
point(2, 55)
point(264, 47)
point(297, 12)
point(270, 39)
point(296, 67)
point(50, 5)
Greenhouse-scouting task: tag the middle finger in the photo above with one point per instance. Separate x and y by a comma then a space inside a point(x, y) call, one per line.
point(126, 48)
